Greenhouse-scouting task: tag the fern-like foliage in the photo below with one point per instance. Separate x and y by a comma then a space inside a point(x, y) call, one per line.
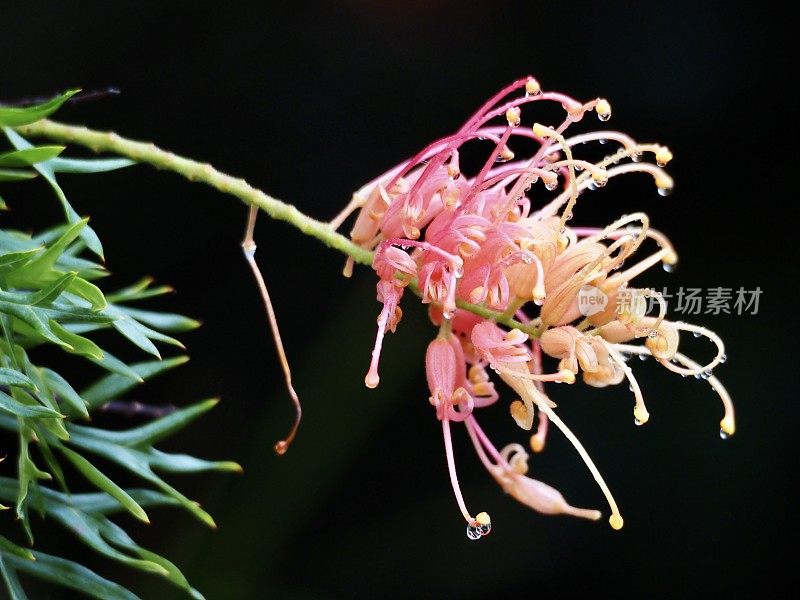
point(48, 295)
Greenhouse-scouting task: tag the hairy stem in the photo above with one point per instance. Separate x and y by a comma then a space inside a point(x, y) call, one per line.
point(143, 152)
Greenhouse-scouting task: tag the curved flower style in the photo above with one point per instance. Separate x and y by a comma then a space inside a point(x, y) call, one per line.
point(499, 238)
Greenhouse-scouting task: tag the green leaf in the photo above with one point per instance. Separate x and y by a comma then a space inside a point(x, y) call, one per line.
point(133, 331)
point(138, 291)
point(153, 432)
point(29, 156)
point(16, 175)
point(138, 462)
point(89, 165)
point(160, 320)
point(9, 404)
point(115, 365)
point(14, 377)
point(44, 263)
point(94, 475)
point(65, 392)
point(52, 291)
point(14, 117)
point(12, 260)
point(44, 296)
point(113, 386)
point(88, 291)
point(13, 584)
point(71, 575)
point(79, 344)
point(45, 170)
point(9, 547)
point(28, 316)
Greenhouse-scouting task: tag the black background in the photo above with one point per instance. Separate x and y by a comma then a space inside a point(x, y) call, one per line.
point(308, 101)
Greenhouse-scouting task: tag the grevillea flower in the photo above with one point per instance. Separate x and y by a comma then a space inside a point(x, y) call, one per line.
point(494, 248)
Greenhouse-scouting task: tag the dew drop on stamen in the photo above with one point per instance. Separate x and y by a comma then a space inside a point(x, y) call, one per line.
point(661, 163)
point(723, 359)
point(637, 422)
point(723, 435)
point(667, 267)
point(448, 314)
point(636, 157)
point(643, 357)
point(485, 529)
point(603, 140)
point(592, 185)
point(473, 532)
point(705, 374)
point(551, 185)
point(697, 376)
point(664, 191)
point(696, 334)
point(538, 301)
point(653, 334)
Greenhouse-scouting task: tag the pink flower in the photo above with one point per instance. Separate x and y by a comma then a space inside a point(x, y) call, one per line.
point(499, 238)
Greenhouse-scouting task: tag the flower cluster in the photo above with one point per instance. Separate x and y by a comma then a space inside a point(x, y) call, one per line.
point(494, 248)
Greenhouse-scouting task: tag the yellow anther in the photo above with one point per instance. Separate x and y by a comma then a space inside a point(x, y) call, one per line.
point(513, 115)
point(532, 87)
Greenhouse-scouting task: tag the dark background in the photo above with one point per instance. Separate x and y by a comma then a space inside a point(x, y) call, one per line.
point(308, 101)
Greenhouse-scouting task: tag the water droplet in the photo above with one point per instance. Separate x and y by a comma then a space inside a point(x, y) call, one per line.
point(485, 529)
point(723, 435)
point(538, 301)
point(661, 163)
point(636, 157)
point(473, 532)
point(604, 116)
point(696, 334)
point(630, 387)
point(501, 158)
point(592, 185)
point(664, 191)
point(551, 185)
point(626, 356)
point(653, 334)
point(600, 182)
point(667, 267)
point(644, 356)
point(448, 314)
point(603, 140)
point(723, 359)
point(705, 374)
point(697, 375)
point(637, 422)
point(568, 216)
point(578, 168)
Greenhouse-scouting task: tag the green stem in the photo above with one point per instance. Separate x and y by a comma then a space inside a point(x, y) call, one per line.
point(143, 152)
